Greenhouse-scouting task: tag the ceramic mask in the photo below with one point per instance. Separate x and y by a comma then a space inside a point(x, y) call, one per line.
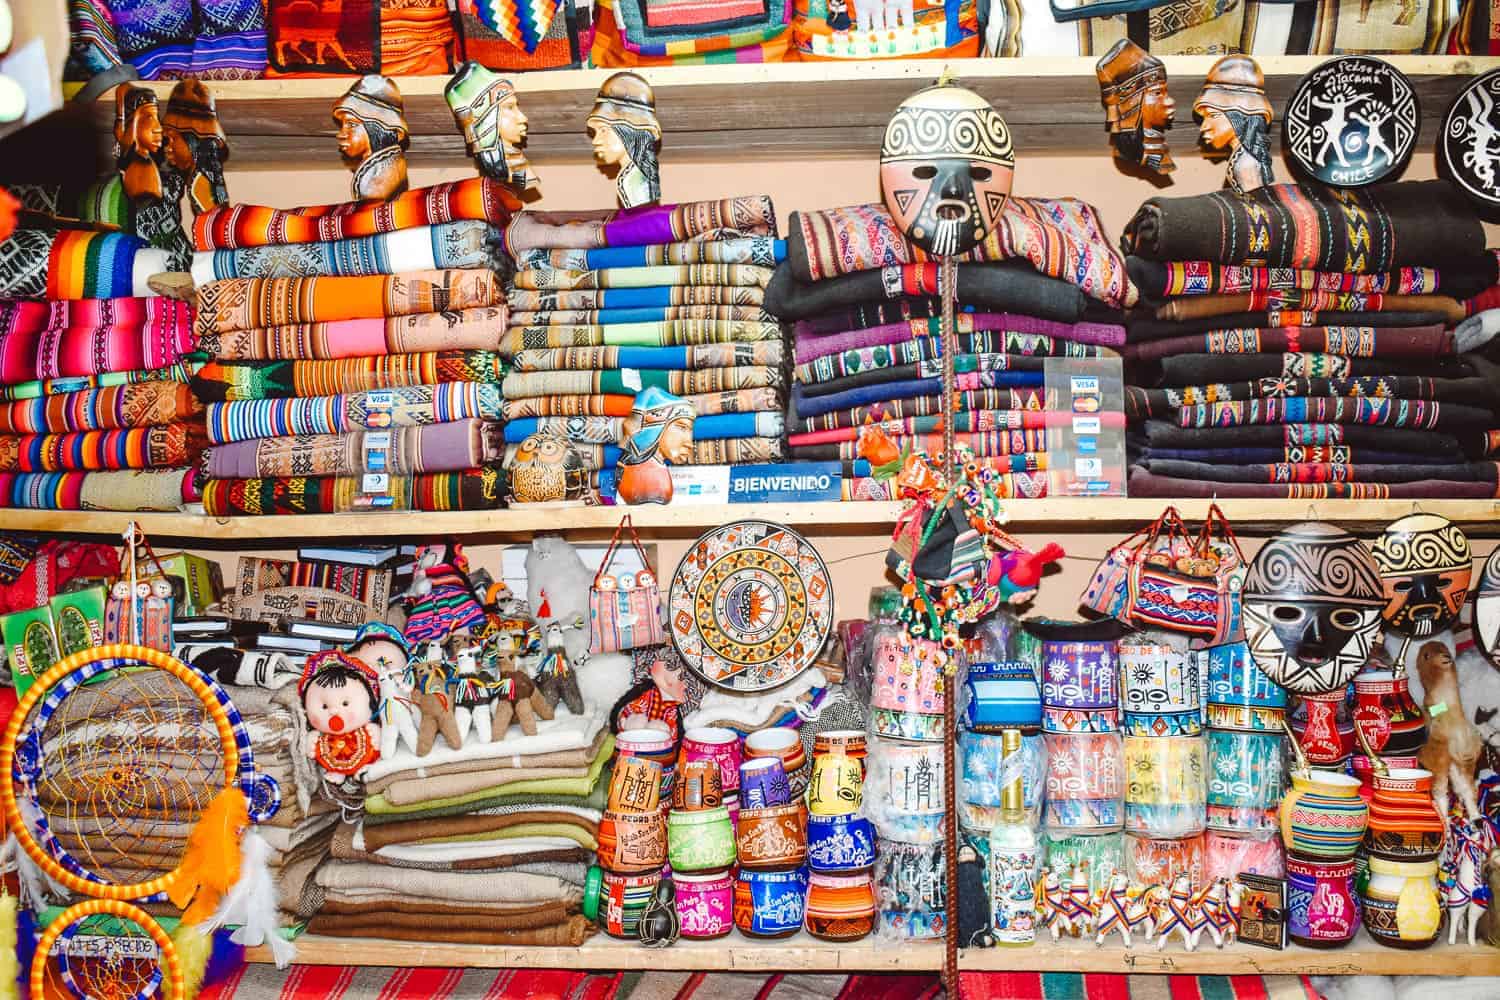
point(946, 167)
point(1312, 608)
point(1425, 567)
point(1487, 609)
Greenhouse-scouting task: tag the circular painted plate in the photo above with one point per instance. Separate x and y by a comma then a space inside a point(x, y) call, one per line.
point(1487, 609)
point(751, 605)
point(1470, 144)
point(1352, 121)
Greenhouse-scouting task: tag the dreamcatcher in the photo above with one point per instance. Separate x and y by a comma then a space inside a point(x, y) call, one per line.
point(129, 778)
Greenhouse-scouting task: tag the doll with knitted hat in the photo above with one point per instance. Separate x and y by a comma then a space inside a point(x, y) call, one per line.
point(372, 136)
point(340, 694)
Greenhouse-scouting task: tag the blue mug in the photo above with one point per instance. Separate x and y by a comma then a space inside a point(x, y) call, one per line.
point(770, 904)
point(840, 843)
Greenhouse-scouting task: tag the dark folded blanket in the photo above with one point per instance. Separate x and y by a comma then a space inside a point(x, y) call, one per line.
point(1161, 434)
point(1321, 472)
point(1413, 413)
point(1341, 454)
point(1025, 392)
point(1196, 369)
point(1144, 483)
point(1142, 327)
point(1411, 223)
point(1143, 403)
point(813, 384)
point(1161, 280)
point(1350, 341)
point(866, 314)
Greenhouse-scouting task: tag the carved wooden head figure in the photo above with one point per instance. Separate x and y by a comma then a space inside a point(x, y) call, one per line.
point(1234, 115)
point(138, 132)
point(195, 145)
point(625, 133)
point(1137, 108)
point(372, 136)
point(488, 112)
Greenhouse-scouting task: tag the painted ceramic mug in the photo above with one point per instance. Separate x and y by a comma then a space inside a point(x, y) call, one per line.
point(697, 786)
point(770, 904)
point(722, 746)
point(635, 786)
point(906, 692)
point(837, 787)
point(1103, 854)
point(1081, 674)
point(1324, 728)
point(987, 770)
point(849, 742)
point(1157, 678)
point(1235, 680)
point(1400, 906)
point(625, 899)
point(771, 837)
point(1323, 817)
point(651, 745)
point(763, 783)
point(787, 745)
point(632, 843)
point(1321, 910)
point(909, 883)
point(1080, 720)
point(840, 907)
point(700, 841)
point(840, 843)
point(705, 904)
point(1390, 720)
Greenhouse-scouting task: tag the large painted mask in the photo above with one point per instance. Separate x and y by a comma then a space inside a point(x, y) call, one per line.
point(1487, 609)
point(946, 167)
point(1425, 569)
point(1312, 608)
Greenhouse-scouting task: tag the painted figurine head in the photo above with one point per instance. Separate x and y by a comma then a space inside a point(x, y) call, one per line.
point(659, 430)
point(945, 167)
point(1235, 116)
point(195, 144)
point(372, 136)
point(1312, 603)
point(382, 647)
point(624, 132)
point(339, 692)
point(485, 106)
point(1137, 108)
point(138, 132)
point(1425, 568)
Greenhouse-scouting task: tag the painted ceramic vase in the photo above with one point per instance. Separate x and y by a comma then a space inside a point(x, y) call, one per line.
point(697, 786)
point(705, 904)
point(1235, 680)
point(787, 745)
point(1246, 776)
point(1157, 860)
point(1085, 782)
point(840, 907)
point(1321, 910)
point(1160, 692)
point(700, 841)
point(722, 746)
point(1401, 906)
point(848, 742)
point(1405, 824)
point(624, 900)
point(837, 787)
point(770, 904)
point(906, 691)
point(635, 786)
point(1226, 855)
point(984, 766)
point(763, 783)
point(1392, 722)
point(1360, 765)
point(771, 837)
point(909, 884)
point(652, 745)
point(840, 844)
point(1080, 720)
point(1102, 853)
point(1324, 728)
point(632, 843)
point(1081, 674)
point(1165, 791)
point(1323, 817)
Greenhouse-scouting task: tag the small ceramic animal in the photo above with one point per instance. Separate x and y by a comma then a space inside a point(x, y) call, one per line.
point(1212, 912)
point(1120, 907)
point(1453, 743)
point(1052, 904)
point(1078, 903)
point(1179, 915)
point(340, 695)
point(1466, 896)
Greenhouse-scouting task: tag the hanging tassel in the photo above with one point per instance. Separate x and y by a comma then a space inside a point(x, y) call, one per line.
point(26, 936)
point(193, 948)
point(225, 960)
point(10, 965)
point(252, 903)
point(211, 863)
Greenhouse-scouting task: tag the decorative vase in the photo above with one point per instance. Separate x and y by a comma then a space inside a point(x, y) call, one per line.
point(771, 837)
point(1321, 910)
point(700, 841)
point(770, 904)
point(705, 904)
point(840, 907)
point(1324, 728)
point(1323, 817)
point(1360, 765)
point(1246, 776)
point(1392, 722)
point(1405, 824)
point(1400, 903)
point(840, 844)
point(633, 843)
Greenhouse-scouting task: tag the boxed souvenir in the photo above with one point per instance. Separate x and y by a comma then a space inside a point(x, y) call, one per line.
point(203, 580)
point(30, 644)
point(78, 620)
point(1263, 911)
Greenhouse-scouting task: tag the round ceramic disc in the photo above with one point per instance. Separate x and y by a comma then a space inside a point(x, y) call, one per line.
point(1352, 121)
point(1487, 609)
point(1470, 144)
point(750, 606)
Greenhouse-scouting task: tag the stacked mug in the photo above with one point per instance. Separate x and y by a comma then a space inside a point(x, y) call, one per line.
point(1323, 821)
point(771, 836)
point(1389, 721)
point(1246, 712)
point(632, 845)
point(840, 903)
point(721, 748)
point(701, 850)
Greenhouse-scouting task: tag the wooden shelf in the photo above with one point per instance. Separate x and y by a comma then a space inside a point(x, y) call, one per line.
point(751, 110)
point(807, 954)
point(1479, 517)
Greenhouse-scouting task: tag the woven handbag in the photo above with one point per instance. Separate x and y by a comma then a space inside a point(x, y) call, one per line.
point(624, 608)
point(1163, 595)
point(1108, 591)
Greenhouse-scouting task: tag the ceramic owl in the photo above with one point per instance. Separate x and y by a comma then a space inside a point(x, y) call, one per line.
point(546, 468)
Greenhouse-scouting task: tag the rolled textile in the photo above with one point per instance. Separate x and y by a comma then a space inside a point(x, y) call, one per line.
point(503, 917)
point(1299, 300)
point(1419, 414)
point(704, 404)
point(1023, 389)
point(140, 404)
point(77, 264)
point(403, 406)
point(608, 430)
point(926, 349)
point(229, 227)
point(657, 275)
point(1160, 433)
point(719, 451)
point(249, 303)
point(1026, 429)
point(867, 314)
point(1366, 230)
point(1060, 237)
point(471, 489)
point(1142, 326)
point(222, 381)
point(1161, 280)
point(569, 934)
point(1349, 341)
point(125, 490)
point(765, 251)
point(132, 448)
point(669, 333)
point(1322, 472)
point(1142, 403)
point(839, 446)
point(892, 409)
point(762, 352)
point(1340, 454)
point(1193, 369)
point(462, 244)
point(655, 297)
point(446, 447)
point(463, 329)
point(878, 375)
point(519, 385)
point(180, 371)
point(374, 838)
point(1007, 287)
point(638, 314)
point(1144, 483)
point(62, 339)
point(809, 347)
point(449, 887)
point(728, 218)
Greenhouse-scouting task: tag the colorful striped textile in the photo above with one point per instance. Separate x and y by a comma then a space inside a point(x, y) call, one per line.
point(446, 447)
point(221, 381)
point(230, 227)
point(895, 409)
point(751, 215)
point(404, 406)
point(471, 489)
point(63, 339)
point(607, 430)
point(1279, 302)
point(1017, 390)
point(126, 490)
point(551, 300)
point(867, 361)
point(1118, 986)
point(1322, 472)
point(1348, 341)
point(462, 244)
point(718, 451)
point(132, 448)
point(706, 404)
point(726, 275)
point(141, 404)
point(669, 333)
point(519, 385)
point(76, 264)
point(764, 251)
point(1168, 279)
point(249, 303)
point(1026, 429)
point(321, 982)
point(1147, 484)
point(761, 352)
point(37, 388)
point(637, 314)
point(1421, 414)
point(464, 329)
point(1011, 334)
point(1141, 404)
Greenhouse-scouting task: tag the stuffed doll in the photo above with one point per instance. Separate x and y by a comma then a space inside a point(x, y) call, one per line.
point(557, 589)
point(430, 692)
point(340, 695)
point(440, 601)
point(655, 703)
point(384, 649)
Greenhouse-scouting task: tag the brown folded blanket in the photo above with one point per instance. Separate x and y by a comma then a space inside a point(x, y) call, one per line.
point(404, 927)
point(417, 831)
point(1201, 306)
point(579, 757)
point(517, 918)
point(342, 849)
point(413, 790)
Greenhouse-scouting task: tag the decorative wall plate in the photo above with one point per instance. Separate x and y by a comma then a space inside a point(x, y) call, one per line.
point(1487, 609)
point(1352, 121)
point(751, 605)
point(1470, 143)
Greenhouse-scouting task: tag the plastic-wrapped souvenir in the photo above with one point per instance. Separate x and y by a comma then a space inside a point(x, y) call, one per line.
point(1102, 853)
point(1000, 695)
point(1165, 791)
point(909, 890)
point(1079, 664)
point(922, 29)
point(1246, 776)
point(1240, 695)
point(1160, 693)
point(1157, 860)
point(906, 698)
point(903, 793)
point(1227, 855)
point(986, 770)
point(1085, 782)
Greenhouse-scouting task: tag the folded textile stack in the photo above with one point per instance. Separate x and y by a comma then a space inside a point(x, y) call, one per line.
point(353, 339)
point(867, 345)
point(1297, 342)
point(168, 39)
point(608, 304)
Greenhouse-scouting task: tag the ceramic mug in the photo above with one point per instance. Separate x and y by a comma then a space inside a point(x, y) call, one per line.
point(772, 836)
point(840, 843)
point(840, 907)
point(632, 843)
point(1392, 723)
point(786, 744)
point(1156, 678)
point(697, 786)
point(1080, 674)
point(635, 786)
point(1235, 680)
point(1324, 728)
point(837, 787)
point(700, 841)
point(770, 904)
point(1400, 905)
point(1103, 854)
point(1165, 791)
point(849, 742)
point(909, 883)
point(705, 904)
point(763, 783)
point(722, 746)
point(1085, 782)
point(625, 898)
point(1080, 720)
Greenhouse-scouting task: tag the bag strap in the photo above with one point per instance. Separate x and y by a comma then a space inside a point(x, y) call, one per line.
point(1214, 517)
point(614, 541)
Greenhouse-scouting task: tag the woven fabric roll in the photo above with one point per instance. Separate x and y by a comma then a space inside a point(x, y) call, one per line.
point(1016, 422)
point(1348, 341)
point(1011, 390)
point(751, 215)
point(141, 404)
point(704, 404)
point(867, 365)
point(76, 264)
point(608, 430)
point(763, 352)
point(1160, 280)
point(37, 388)
point(1143, 403)
point(725, 451)
point(464, 244)
point(728, 275)
point(132, 448)
point(1145, 484)
point(764, 251)
point(1205, 369)
point(405, 406)
point(446, 447)
point(620, 381)
point(638, 314)
point(1322, 472)
point(663, 296)
point(464, 329)
point(1275, 300)
point(671, 333)
point(221, 381)
point(62, 339)
point(471, 489)
point(132, 490)
point(984, 399)
point(1032, 338)
point(1419, 414)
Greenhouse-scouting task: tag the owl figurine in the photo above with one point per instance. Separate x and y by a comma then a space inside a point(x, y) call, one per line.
point(546, 468)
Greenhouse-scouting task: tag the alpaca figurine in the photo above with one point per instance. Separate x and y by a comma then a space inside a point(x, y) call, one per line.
point(1078, 909)
point(398, 720)
point(1234, 896)
point(471, 696)
point(1120, 907)
point(1212, 914)
point(1453, 743)
point(431, 691)
point(517, 698)
point(1465, 895)
point(1180, 916)
point(555, 675)
point(1052, 905)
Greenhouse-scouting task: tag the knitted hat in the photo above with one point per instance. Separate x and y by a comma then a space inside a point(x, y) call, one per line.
point(379, 631)
point(627, 99)
point(1235, 84)
point(374, 98)
point(331, 659)
point(190, 109)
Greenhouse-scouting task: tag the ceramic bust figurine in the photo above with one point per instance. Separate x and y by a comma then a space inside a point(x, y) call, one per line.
point(624, 132)
point(195, 145)
point(485, 106)
point(945, 168)
point(659, 430)
point(1425, 567)
point(1137, 108)
point(155, 197)
point(1234, 115)
point(372, 136)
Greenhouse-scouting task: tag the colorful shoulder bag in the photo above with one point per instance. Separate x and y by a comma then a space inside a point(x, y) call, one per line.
point(624, 608)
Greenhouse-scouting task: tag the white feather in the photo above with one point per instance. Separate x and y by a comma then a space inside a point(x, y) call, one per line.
point(251, 904)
